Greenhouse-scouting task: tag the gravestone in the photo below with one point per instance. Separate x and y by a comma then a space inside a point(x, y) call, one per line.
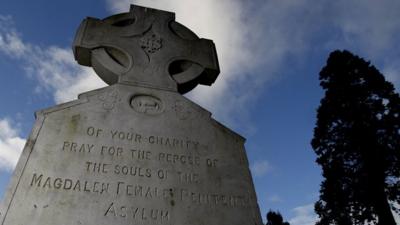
point(137, 151)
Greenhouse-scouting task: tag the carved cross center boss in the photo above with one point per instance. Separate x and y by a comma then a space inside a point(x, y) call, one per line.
point(146, 47)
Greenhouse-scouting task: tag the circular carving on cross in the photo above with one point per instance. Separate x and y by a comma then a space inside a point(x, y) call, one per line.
point(146, 47)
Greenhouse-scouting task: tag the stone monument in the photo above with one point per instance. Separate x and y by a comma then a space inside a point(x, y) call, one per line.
point(137, 151)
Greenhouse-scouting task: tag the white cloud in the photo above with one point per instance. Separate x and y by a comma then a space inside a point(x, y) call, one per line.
point(372, 29)
point(260, 168)
point(371, 25)
point(304, 215)
point(238, 43)
point(11, 145)
point(53, 67)
point(396, 218)
point(12, 45)
point(254, 39)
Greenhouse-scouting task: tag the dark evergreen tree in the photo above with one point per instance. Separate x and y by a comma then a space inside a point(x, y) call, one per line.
point(275, 218)
point(357, 142)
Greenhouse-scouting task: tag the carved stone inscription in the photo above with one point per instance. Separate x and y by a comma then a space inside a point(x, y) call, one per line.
point(88, 165)
point(137, 167)
point(137, 152)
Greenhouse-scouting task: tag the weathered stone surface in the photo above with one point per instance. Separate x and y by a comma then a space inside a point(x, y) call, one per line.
point(131, 155)
point(146, 47)
point(136, 152)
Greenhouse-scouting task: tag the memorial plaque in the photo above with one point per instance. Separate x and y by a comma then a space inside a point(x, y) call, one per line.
point(137, 151)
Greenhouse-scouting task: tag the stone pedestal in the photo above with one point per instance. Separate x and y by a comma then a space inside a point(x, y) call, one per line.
point(131, 155)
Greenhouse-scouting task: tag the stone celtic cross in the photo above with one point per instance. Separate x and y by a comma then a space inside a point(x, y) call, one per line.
point(146, 47)
point(138, 151)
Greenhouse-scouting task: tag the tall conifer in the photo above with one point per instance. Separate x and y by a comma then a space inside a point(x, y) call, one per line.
point(357, 142)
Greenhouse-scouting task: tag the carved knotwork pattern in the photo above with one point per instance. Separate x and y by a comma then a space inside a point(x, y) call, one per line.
point(151, 43)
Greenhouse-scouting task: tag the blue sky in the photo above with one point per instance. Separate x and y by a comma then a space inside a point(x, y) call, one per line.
point(270, 54)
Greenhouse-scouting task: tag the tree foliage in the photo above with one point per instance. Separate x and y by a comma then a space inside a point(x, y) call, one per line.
point(275, 218)
point(357, 142)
